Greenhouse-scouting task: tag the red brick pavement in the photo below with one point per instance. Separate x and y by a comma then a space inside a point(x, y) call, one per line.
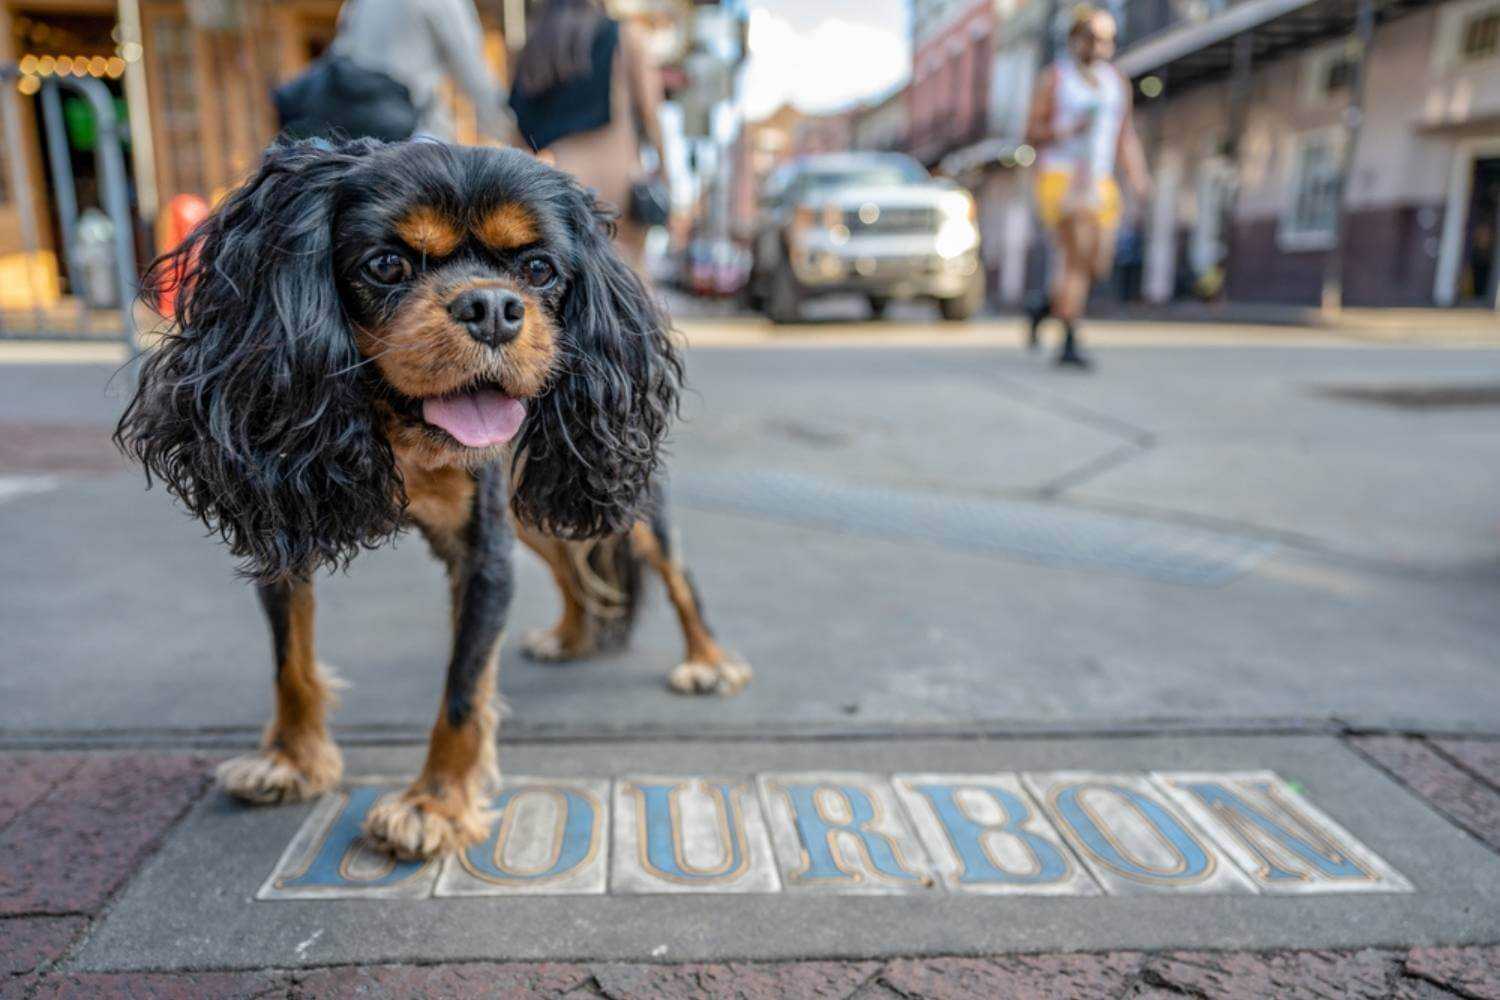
point(72, 846)
point(105, 814)
point(1455, 777)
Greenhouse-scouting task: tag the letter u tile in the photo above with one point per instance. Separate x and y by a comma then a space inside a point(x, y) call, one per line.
point(690, 834)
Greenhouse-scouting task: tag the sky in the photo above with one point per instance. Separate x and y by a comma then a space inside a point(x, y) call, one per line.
point(824, 54)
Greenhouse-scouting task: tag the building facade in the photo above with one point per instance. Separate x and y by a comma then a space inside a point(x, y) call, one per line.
point(1248, 139)
point(192, 79)
point(948, 97)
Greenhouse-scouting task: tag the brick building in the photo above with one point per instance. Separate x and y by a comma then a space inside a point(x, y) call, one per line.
point(948, 97)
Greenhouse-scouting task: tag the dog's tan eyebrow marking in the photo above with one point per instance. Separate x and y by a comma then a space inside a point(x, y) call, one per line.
point(507, 227)
point(426, 230)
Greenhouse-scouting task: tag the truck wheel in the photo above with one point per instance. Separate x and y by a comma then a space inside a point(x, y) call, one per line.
point(784, 300)
point(964, 305)
point(878, 305)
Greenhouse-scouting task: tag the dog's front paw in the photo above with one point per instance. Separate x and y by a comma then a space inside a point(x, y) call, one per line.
point(415, 824)
point(723, 677)
point(273, 775)
point(549, 645)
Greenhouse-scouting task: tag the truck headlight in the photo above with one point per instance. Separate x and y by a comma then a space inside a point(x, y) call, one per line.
point(955, 237)
point(957, 233)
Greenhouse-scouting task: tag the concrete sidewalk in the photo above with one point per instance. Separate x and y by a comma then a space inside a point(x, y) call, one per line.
point(1223, 564)
point(126, 876)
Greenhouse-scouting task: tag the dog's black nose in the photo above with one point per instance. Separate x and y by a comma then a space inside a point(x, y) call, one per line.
point(492, 316)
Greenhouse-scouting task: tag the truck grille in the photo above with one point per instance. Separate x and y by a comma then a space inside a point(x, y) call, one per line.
point(894, 220)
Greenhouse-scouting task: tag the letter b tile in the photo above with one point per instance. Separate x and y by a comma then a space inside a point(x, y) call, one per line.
point(328, 858)
point(985, 835)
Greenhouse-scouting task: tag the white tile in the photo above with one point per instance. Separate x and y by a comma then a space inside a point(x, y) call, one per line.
point(842, 833)
point(328, 859)
point(1284, 842)
point(1131, 838)
point(984, 834)
point(678, 835)
point(550, 838)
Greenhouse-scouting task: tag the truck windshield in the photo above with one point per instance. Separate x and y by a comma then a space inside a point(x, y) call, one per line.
point(874, 174)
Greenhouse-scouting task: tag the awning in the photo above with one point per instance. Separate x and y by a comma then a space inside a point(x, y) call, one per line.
point(1202, 50)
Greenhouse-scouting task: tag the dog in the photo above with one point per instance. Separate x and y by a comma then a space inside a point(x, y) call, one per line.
point(369, 336)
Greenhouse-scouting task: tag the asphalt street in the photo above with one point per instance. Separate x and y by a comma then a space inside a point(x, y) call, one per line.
point(932, 536)
point(1212, 628)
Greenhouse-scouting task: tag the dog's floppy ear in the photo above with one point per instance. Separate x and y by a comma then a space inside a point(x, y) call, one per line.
point(251, 407)
point(590, 445)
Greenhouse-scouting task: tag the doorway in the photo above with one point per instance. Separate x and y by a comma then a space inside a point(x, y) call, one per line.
point(1479, 271)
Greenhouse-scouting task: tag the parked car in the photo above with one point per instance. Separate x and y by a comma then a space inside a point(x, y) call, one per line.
point(714, 268)
point(876, 224)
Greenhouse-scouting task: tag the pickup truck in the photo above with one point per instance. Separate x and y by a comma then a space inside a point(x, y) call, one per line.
point(875, 224)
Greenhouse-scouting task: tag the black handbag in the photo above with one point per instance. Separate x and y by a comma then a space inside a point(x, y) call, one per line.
point(335, 97)
point(650, 205)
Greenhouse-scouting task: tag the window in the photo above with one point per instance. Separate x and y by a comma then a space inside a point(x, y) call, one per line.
point(1338, 75)
point(1481, 36)
point(1327, 74)
point(1468, 33)
point(1313, 206)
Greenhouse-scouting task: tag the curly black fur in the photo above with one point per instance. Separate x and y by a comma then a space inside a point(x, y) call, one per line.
point(252, 408)
point(592, 445)
point(256, 407)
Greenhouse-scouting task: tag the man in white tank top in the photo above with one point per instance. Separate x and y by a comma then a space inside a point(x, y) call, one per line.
point(1081, 125)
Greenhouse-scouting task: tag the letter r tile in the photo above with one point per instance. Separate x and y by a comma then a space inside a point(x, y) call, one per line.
point(328, 859)
point(1130, 836)
point(986, 835)
point(550, 837)
point(1284, 842)
point(842, 833)
point(680, 834)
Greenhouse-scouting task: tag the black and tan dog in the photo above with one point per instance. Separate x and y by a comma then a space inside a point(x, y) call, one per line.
point(370, 336)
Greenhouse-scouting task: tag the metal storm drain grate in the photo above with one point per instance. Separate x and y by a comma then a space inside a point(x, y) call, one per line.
point(1418, 396)
point(1040, 532)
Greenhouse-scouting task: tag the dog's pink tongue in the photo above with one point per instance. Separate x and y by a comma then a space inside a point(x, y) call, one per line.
point(477, 419)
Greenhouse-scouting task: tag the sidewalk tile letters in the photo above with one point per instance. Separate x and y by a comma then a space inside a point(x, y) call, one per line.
point(1061, 833)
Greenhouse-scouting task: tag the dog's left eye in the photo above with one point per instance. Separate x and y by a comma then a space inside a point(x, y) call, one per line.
point(388, 268)
point(539, 273)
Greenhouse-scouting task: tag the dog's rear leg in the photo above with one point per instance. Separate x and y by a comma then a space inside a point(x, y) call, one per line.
point(573, 636)
point(706, 668)
point(297, 759)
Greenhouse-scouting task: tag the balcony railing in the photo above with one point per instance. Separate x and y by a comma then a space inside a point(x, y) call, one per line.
point(1141, 19)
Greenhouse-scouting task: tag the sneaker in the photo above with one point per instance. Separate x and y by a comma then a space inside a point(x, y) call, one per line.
point(1074, 359)
point(1036, 311)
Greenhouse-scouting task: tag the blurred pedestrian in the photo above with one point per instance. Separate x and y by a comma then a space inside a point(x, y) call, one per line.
point(586, 88)
point(1082, 126)
point(380, 76)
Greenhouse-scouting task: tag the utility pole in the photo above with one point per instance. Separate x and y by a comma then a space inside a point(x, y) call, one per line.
point(1242, 58)
point(1359, 51)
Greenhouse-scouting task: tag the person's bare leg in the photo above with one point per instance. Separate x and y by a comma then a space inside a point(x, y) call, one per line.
point(1079, 235)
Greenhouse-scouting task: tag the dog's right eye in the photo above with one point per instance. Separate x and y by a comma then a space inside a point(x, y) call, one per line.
point(388, 269)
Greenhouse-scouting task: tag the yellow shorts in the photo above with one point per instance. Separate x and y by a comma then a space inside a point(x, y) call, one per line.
point(1052, 189)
